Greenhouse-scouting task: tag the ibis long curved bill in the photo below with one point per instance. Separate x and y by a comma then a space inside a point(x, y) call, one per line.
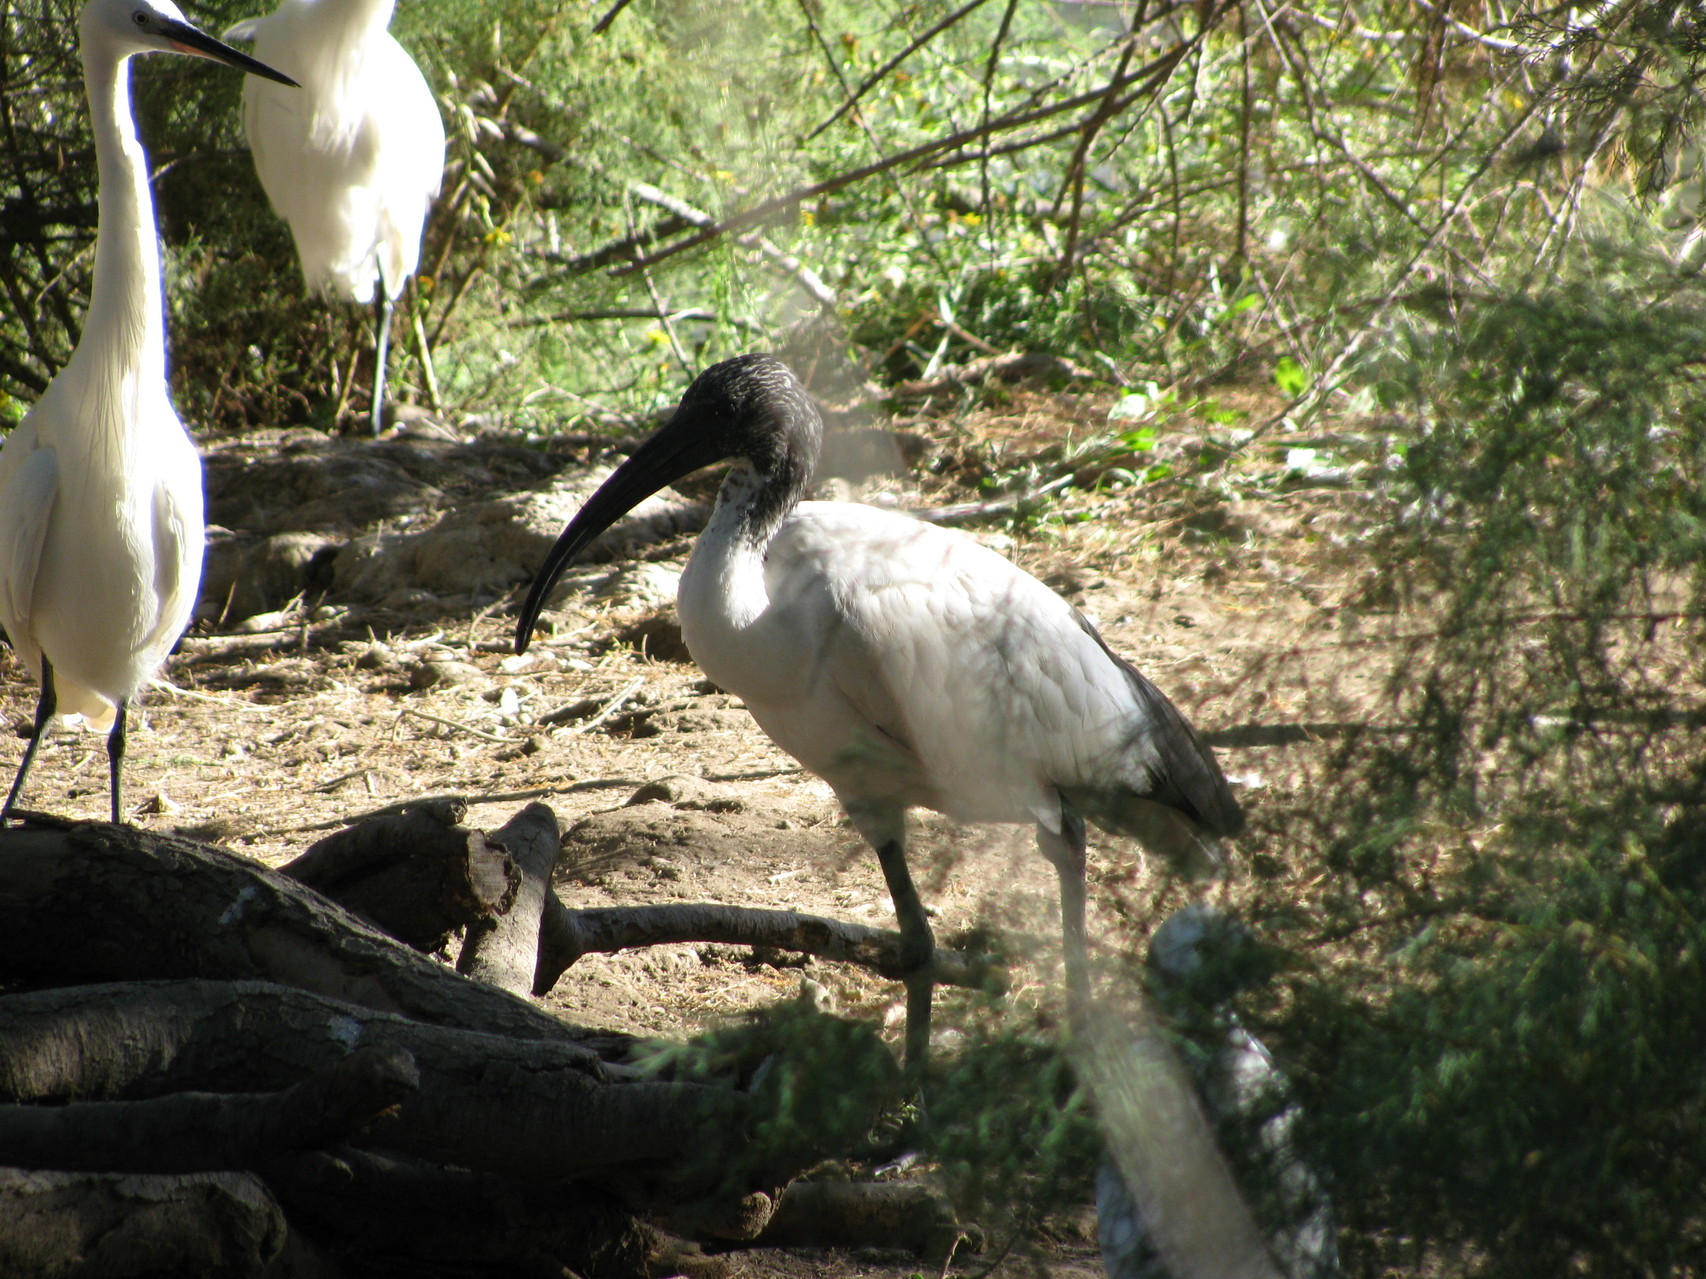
point(688, 442)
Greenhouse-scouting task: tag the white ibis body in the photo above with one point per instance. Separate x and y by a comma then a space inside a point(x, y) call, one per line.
point(100, 487)
point(1198, 960)
point(905, 664)
point(353, 161)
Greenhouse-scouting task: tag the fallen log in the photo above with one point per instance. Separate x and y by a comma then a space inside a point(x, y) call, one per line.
point(565, 935)
point(419, 874)
point(98, 902)
point(129, 1040)
point(379, 1209)
point(208, 1131)
point(525, 1108)
point(911, 1216)
point(119, 1226)
point(503, 948)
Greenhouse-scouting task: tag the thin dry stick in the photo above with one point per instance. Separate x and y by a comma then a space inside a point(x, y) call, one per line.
point(916, 221)
point(808, 279)
point(656, 297)
point(1147, 79)
point(989, 66)
point(876, 76)
point(450, 723)
point(603, 24)
point(423, 350)
point(451, 218)
point(609, 708)
point(1077, 167)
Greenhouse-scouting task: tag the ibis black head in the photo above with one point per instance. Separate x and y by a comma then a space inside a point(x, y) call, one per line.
point(751, 408)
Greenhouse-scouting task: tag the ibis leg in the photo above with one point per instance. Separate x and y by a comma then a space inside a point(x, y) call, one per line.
point(44, 715)
point(116, 738)
point(917, 951)
point(1066, 851)
point(885, 830)
point(381, 347)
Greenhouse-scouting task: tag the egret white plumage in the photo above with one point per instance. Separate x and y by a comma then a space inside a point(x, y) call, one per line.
point(353, 161)
point(100, 487)
point(905, 664)
point(1199, 959)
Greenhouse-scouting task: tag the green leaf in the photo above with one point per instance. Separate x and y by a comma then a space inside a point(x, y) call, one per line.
point(1290, 376)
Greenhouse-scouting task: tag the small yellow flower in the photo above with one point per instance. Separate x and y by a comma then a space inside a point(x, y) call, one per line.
point(535, 177)
point(656, 337)
point(808, 218)
point(498, 237)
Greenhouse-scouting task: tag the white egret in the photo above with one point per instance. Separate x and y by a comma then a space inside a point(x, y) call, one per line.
point(907, 665)
point(100, 487)
point(352, 162)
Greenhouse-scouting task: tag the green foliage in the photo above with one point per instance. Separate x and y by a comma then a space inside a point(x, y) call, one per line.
point(817, 1085)
point(1008, 1124)
point(1502, 1058)
point(1148, 207)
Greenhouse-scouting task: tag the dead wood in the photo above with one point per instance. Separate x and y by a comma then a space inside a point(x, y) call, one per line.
point(844, 1214)
point(418, 874)
point(111, 903)
point(129, 1040)
point(565, 935)
point(377, 1209)
point(503, 948)
point(115, 1226)
point(208, 1131)
point(525, 1108)
point(1010, 367)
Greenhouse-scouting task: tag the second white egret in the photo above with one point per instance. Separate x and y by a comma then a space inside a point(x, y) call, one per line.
point(353, 161)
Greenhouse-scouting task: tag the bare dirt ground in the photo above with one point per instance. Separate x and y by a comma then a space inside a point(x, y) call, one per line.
point(1243, 594)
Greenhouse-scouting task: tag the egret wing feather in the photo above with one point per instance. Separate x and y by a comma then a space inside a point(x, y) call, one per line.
point(353, 159)
point(29, 482)
point(178, 544)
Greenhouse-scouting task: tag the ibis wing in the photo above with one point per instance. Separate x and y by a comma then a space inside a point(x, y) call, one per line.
point(1001, 689)
point(1191, 778)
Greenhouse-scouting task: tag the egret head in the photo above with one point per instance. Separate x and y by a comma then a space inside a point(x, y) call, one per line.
point(126, 27)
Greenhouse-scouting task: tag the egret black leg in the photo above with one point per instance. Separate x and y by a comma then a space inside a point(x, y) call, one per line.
point(44, 715)
point(1066, 851)
point(115, 757)
point(381, 347)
